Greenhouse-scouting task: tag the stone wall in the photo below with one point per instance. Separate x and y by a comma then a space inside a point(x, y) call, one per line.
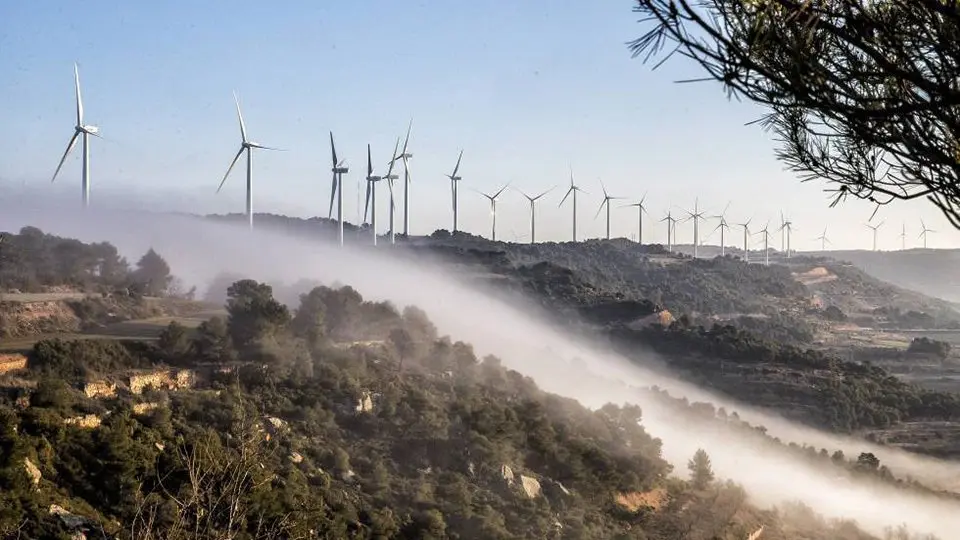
point(165, 379)
point(12, 362)
point(100, 389)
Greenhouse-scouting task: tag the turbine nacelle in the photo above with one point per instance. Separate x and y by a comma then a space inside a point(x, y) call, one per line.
point(92, 130)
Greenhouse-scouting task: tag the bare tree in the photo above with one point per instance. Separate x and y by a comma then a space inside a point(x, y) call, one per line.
point(861, 93)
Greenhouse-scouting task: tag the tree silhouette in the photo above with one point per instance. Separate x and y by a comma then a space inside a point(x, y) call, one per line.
point(861, 94)
point(253, 313)
point(701, 472)
point(152, 274)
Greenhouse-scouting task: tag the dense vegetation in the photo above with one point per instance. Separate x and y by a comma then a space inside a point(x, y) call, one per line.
point(343, 419)
point(33, 261)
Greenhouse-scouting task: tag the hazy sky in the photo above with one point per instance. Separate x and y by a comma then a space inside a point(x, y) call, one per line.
point(527, 89)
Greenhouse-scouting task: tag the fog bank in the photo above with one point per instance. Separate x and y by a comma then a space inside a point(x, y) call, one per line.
point(197, 250)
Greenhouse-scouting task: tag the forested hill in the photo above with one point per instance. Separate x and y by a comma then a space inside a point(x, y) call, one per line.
point(344, 418)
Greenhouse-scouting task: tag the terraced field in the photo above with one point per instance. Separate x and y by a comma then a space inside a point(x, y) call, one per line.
point(142, 329)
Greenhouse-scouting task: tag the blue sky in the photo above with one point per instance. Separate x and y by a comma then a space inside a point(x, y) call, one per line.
point(527, 89)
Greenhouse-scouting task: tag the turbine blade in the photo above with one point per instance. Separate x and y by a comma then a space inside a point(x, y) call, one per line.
point(369, 163)
point(603, 187)
point(394, 160)
point(600, 209)
point(70, 145)
point(243, 128)
point(366, 204)
point(501, 190)
point(76, 79)
point(405, 140)
point(258, 145)
point(230, 168)
point(457, 168)
point(569, 191)
point(333, 187)
point(333, 151)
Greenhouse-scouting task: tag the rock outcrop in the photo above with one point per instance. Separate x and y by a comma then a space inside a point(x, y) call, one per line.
point(165, 379)
point(12, 362)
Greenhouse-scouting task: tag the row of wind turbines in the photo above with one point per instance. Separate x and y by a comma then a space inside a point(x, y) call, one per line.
point(82, 132)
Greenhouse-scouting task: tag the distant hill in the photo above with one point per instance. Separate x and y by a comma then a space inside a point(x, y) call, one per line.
point(935, 272)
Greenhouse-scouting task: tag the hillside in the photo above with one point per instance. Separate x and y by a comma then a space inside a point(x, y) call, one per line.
point(934, 272)
point(349, 419)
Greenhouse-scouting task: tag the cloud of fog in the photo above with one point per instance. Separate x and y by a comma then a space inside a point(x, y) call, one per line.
point(197, 250)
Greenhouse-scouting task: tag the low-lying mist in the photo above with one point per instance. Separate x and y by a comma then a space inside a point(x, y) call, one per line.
point(198, 250)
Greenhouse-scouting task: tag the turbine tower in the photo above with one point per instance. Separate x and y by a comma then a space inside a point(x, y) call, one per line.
point(573, 189)
point(533, 212)
point(874, 228)
point(247, 146)
point(746, 235)
point(81, 131)
point(671, 221)
point(493, 209)
point(454, 180)
point(371, 196)
point(606, 202)
point(641, 209)
point(696, 216)
point(723, 225)
point(338, 168)
point(903, 237)
point(390, 177)
point(405, 156)
point(765, 231)
point(823, 240)
point(923, 232)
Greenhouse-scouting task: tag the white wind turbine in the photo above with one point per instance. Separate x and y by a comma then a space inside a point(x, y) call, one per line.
point(405, 156)
point(371, 196)
point(903, 237)
point(338, 168)
point(723, 225)
point(874, 228)
point(696, 216)
point(765, 231)
point(606, 202)
point(247, 146)
point(823, 240)
point(390, 177)
point(493, 209)
point(81, 131)
point(641, 209)
point(923, 232)
point(671, 223)
point(454, 181)
point(786, 227)
point(533, 212)
point(573, 189)
point(746, 235)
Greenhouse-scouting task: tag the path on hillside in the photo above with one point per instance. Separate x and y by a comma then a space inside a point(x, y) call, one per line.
point(136, 329)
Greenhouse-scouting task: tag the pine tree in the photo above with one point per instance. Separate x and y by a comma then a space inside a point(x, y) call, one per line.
point(701, 472)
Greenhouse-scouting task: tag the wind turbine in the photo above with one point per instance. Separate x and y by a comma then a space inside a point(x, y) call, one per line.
point(454, 180)
point(746, 235)
point(247, 146)
point(493, 209)
point(696, 216)
point(823, 240)
point(875, 228)
point(923, 232)
point(390, 177)
point(903, 237)
point(671, 221)
point(533, 212)
point(723, 225)
point(641, 209)
point(606, 202)
point(573, 189)
point(766, 243)
point(405, 156)
point(786, 227)
point(338, 168)
point(371, 196)
point(81, 131)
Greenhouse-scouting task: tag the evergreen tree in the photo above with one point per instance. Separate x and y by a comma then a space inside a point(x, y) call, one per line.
point(701, 472)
